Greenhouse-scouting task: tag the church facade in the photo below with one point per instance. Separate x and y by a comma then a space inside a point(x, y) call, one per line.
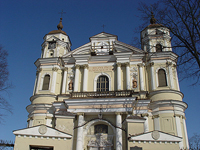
point(106, 95)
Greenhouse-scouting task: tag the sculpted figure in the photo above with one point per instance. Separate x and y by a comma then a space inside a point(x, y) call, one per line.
point(134, 83)
point(71, 85)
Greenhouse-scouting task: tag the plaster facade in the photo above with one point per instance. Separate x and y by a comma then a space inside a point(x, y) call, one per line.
point(106, 95)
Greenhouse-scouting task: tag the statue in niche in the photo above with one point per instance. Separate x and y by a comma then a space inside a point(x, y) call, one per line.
point(71, 85)
point(134, 83)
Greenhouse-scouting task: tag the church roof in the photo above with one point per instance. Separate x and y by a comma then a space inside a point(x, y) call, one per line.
point(59, 26)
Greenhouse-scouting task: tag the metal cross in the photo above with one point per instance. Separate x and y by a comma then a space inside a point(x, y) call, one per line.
point(103, 27)
point(62, 12)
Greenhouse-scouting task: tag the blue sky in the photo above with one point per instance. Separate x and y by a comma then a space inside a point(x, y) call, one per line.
point(23, 24)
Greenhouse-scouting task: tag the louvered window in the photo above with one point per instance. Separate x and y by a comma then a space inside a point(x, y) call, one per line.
point(158, 48)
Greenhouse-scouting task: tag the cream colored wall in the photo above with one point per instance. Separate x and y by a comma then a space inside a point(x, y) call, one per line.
point(23, 143)
point(166, 96)
point(135, 128)
point(168, 123)
point(44, 100)
point(65, 125)
point(152, 146)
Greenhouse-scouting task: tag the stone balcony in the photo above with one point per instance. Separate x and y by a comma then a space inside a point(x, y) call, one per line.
point(103, 94)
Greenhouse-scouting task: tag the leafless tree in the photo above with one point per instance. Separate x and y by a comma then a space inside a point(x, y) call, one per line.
point(194, 142)
point(182, 17)
point(4, 84)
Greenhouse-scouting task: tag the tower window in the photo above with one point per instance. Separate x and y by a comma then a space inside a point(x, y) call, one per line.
point(46, 82)
point(158, 48)
point(162, 78)
point(51, 53)
point(52, 45)
point(102, 83)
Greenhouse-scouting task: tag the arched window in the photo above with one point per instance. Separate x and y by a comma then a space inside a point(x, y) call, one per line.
point(102, 83)
point(162, 81)
point(46, 82)
point(158, 48)
point(51, 53)
point(100, 128)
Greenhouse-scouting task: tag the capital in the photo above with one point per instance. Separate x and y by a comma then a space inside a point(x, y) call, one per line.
point(140, 65)
point(65, 69)
point(85, 66)
point(55, 69)
point(127, 64)
point(155, 116)
point(77, 66)
point(80, 114)
point(145, 115)
point(151, 64)
point(38, 70)
point(118, 64)
point(168, 63)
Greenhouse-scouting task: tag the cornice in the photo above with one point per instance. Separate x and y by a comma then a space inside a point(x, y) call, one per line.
point(165, 91)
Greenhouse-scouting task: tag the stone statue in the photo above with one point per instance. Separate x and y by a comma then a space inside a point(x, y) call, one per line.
point(71, 85)
point(134, 83)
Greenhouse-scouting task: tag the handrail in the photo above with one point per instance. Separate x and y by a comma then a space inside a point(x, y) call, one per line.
point(102, 94)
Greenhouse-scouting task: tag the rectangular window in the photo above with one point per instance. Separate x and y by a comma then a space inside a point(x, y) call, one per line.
point(41, 148)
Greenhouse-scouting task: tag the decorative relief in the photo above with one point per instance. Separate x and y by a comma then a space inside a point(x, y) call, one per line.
point(70, 85)
point(155, 135)
point(134, 83)
point(101, 68)
point(42, 129)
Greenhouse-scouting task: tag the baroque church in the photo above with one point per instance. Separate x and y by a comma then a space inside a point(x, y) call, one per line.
point(106, 95)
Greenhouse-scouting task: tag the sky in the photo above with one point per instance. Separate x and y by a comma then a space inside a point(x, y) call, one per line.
point(23, 24)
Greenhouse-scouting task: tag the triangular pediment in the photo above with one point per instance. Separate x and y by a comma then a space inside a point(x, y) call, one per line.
point(103, 35)
point(42, 130)
point(53, 38)
point(155, 136)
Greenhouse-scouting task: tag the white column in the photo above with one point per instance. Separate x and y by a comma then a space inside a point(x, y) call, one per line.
point(185, 131)
point(141, 77)
point(38, 80)
point(153, 87)
point(79, 142)
point(53, 81)
point(156, 121)
point(76, 80)
point(118, 131)
point(146, 124)
point(128, 84)
point(118, 76)
point(85, 78)
point(170, 74)
point(64, 81)
point(176, 78)
point(179, 131)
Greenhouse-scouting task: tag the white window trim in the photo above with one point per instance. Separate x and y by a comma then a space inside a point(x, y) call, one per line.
point(95, 81)
point(42, 80)
point(167, 78)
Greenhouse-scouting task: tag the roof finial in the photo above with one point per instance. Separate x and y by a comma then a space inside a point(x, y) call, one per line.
point(60, 26)
point(152, 20)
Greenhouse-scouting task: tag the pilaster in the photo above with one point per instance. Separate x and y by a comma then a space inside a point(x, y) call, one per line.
point(118, 76)
point(64, 80)
point(53, 86)
point(153, 87)
point(128, 86)
point(118, 131)
point(141, 74)
point(76, 80)
point(85, 79)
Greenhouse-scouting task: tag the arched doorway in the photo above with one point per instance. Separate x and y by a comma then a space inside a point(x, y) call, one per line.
point(100, 135)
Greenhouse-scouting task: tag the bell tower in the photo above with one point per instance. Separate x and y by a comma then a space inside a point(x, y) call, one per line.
point(56, 43)
point(155, 37)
